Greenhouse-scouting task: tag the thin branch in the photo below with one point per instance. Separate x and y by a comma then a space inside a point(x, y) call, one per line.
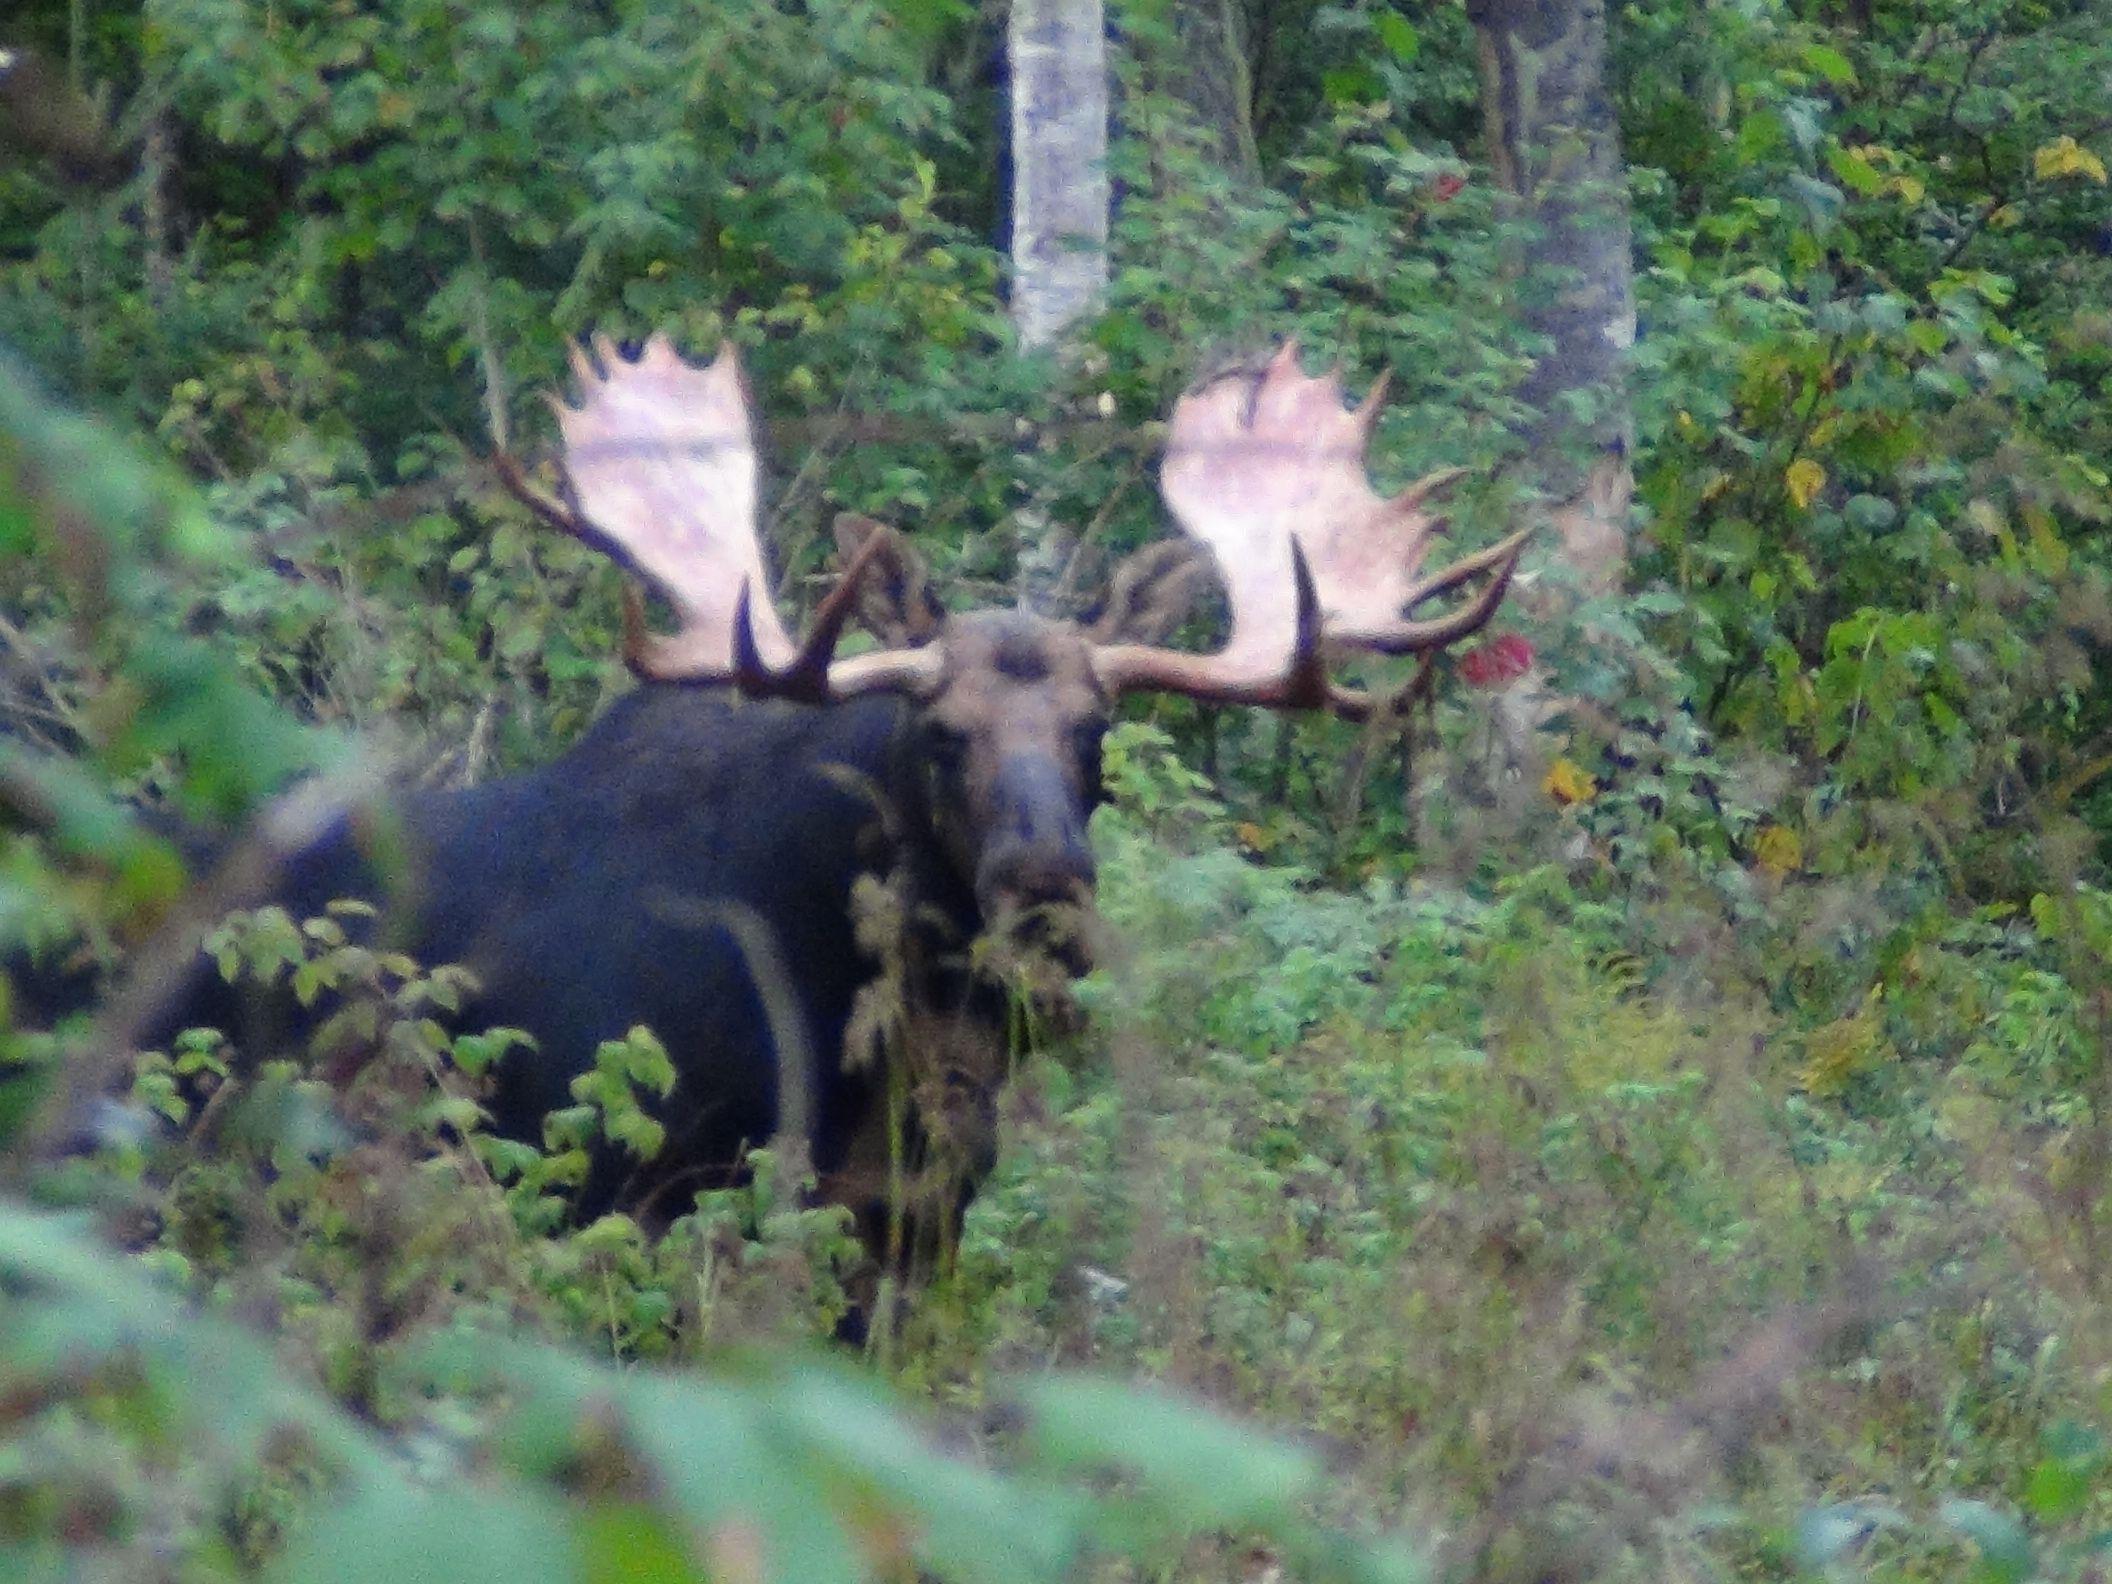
point(496, 399)
point(33, 663)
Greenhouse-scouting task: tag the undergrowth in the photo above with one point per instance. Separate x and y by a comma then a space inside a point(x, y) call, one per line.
point(1571, 1250)
point(1577, 1249)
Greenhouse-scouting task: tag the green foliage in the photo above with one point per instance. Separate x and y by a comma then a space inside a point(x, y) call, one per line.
point(129, 1409)
point(1487, 1184)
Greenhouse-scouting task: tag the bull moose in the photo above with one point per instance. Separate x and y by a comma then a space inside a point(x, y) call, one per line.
point(690, 863)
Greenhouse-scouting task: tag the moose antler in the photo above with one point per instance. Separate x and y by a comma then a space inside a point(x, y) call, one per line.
point(1267, 470)
point(660, 460)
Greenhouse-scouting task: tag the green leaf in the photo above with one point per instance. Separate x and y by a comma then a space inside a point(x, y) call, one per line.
point(1398, 34)
point(972, 1525)
point(1207, 1469)
point(2057, 1490)
point(625, 1543)
point(2005, 1548)
point(465, 1536)
point(1855, 172)
point(2062, 1482)
point(1830, 64)
point(1825, 1535)
point(1351, 85)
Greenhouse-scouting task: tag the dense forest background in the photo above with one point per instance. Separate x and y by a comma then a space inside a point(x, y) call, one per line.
point(1680, 1151)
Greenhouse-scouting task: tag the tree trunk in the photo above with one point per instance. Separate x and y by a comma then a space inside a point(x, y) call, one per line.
point(1058, 52)
point(1058, 58)
point(157, 160)
point(1208, 72)
point(1554, 146)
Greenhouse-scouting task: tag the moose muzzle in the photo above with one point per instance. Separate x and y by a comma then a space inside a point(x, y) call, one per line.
point(1036, 854)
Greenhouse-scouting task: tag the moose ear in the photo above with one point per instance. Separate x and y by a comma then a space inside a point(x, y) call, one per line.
point(895, 603)
point(1152, 593)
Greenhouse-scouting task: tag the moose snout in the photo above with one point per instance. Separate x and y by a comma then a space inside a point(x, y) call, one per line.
point(1036, 850)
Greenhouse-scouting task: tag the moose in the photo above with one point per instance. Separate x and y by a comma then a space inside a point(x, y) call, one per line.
point(694, 863)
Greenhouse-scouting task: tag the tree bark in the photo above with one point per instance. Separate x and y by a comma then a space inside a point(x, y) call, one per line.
point(1209, 73)
point(1554, 147)
point(157, 160)
point(1058, 51)
point(1058, 59)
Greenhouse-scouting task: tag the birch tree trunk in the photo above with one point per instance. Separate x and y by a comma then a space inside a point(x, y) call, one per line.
point(1058, 51)
point(1058, 59)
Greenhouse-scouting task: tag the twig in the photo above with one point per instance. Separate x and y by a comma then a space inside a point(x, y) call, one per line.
point(496, 400)
point(1395, 710)
point(1066, 587)
point(33, 662)
point(2076, 777)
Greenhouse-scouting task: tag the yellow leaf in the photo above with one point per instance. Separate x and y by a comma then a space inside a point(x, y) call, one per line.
point(2004, 217)
point(1778, 850)
point(1565, 783)
point(1805, 479)
point(1909, 188)
point(2048, 553)
point(2066, 157)
point(1836, 1053)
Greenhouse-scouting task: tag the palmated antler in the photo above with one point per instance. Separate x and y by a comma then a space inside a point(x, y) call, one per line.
point(1264, 469)
point(660, 459)
point(1267, 470)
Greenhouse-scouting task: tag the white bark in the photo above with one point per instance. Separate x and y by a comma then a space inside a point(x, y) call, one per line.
point(1059, 165)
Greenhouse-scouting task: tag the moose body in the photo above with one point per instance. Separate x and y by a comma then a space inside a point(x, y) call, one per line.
point(687, 865)
point(691, 863)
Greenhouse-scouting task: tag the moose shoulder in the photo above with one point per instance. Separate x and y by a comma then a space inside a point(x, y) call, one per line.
point(691, 863)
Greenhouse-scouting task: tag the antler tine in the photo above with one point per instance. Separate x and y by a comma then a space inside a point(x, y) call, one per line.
point(1305, 677)
point(811, 675)
point(1499, 560)
point(1412, 637)
point(1466, 568)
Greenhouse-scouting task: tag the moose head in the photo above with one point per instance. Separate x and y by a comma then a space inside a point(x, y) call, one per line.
point(1264, 471)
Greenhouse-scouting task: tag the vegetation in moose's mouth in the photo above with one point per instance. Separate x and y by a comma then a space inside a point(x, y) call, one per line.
point(1623, 1097)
